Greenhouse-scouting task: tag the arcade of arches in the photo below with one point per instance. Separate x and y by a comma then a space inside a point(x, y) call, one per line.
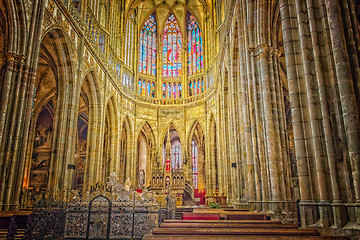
point(253, 103)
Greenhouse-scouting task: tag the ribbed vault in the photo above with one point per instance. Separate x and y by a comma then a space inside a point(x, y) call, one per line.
point(163, 8)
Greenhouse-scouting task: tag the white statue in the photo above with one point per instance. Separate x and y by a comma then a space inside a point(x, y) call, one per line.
point(127, 184)
point(113, 178)
point(75, 195)
point(114, 183)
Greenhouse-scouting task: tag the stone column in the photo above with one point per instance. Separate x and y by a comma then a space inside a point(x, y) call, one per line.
point(346, 92)
point(315, 130)
point(287, 11)
point(16, 100)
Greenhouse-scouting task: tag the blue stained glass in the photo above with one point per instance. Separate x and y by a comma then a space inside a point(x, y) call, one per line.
point(190, 88)
point(153, 89)
point(169, 90)
point(164, 90)
point(195, 46)
point(147, 49)
point(143, 90)
point(195, 88)
point(171, 48)
point(174, 90)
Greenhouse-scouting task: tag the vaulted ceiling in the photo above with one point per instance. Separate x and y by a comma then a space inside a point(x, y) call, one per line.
point(163, 8)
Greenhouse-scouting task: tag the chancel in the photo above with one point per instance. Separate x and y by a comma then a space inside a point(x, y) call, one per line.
point(180, 119)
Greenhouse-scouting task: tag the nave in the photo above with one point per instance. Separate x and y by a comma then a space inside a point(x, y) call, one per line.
point(248, 104)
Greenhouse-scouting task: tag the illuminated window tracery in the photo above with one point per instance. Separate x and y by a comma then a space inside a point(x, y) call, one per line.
point(176, 155)
point(147, 50)
point(172, 90)
point(171, 48)
point(171, 59)
point(146, 88)
point(196, 86)
point(195, 47)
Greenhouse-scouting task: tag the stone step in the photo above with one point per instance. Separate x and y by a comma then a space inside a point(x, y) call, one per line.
point(236, 231)
point(242, 237)
point(21, 218)
point(233, 214)
point(228, 225)
point(225, 221)
point(19, 234)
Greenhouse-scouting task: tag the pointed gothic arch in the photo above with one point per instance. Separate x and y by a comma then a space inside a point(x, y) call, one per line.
point(125, 164)
point(90, 107)
point(196, 150)
point(146, 154)
point(213, 157)
point(176, 141)
point(111, 149)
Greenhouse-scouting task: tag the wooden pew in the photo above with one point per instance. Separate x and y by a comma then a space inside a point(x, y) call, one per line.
point(200, 216)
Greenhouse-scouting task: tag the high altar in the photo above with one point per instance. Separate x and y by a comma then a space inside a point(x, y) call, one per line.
point(169, 178)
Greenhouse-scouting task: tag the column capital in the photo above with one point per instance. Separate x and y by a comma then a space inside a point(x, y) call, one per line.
point(260, 50)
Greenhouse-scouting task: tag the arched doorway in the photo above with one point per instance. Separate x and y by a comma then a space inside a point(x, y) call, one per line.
point(125, 150)
point(89, 116)
point(42, 125)
point(197, 146)
point(41, 153)
point(175, 151)
point(111, 148)
point(145, 155)
point(142, 160)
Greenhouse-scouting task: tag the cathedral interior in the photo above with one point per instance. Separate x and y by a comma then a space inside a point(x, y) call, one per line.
point(249, 104)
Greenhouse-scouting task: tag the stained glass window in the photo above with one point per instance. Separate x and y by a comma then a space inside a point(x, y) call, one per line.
point(117, 70)
point(194, 153)
point(129, 41)
point(176, 155)
point(128, 82)
point(152, 89)
point(102, 42)
point(174, 90)
point(199, 87)
point(169, 90)
point(195, 46)
point(164, 90)
point(195, 87)
point(146, 88)
point(190, 88)
point(143, 90)
point(172, 48)
point(147, 49)
point(140, 88)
